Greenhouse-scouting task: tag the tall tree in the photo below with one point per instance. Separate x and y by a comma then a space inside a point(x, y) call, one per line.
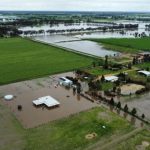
point(106, 62)
point(118, 105)
point(133, 112)
point(143, 116)
point(126, 108)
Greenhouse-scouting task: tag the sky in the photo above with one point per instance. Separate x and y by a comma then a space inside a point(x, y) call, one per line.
point(76, 5)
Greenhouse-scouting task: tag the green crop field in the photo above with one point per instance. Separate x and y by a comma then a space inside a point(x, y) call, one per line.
point(22, 59)
point(129, 45)
point(65, 134)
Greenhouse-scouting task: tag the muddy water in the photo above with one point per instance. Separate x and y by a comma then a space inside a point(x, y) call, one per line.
point(142, 104)
point(88, 47)
point(55, 38)
point(75, 44)
point(64, 27)
point(27, 91)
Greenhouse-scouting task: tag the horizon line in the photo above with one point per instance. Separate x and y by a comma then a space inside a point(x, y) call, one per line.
point(73, 11)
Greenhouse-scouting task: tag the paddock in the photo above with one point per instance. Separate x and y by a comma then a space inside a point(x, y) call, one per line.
point(31, 116)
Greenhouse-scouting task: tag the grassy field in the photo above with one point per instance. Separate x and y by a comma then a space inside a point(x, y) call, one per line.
point(135, 76)
point(23, 59)
point(98, 71)
point(107, 86)
point(144, 65)
point(128, 45)
point(135, 141)
point(68, 133)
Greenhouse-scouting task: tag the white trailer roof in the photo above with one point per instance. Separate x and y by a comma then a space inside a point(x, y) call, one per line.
point(47, 100)
point(111, 78)
point(147, 73)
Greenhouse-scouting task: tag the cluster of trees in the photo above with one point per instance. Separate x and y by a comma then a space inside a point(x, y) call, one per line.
point(9, 31)
point(104, 29)
point(132, 112)
point(147, 25)
point(143, 34)
point(33, 21)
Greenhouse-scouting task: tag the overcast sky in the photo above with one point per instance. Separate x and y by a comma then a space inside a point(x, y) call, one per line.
point(76, 5)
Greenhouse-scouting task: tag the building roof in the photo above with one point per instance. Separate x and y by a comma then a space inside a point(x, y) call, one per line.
point(147, 73)
point(47, 100)
point(111, 78)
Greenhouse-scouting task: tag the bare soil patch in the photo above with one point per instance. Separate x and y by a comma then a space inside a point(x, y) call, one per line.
point(128, 89)
point(91, 136)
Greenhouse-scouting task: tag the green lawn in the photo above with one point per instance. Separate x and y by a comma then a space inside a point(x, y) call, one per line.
point(128, 45)
point(135, 76)
point(23, 59)
point(98, 71)
point(65, 134)
point(135, 141)
point(107, 86)
point(144, 65)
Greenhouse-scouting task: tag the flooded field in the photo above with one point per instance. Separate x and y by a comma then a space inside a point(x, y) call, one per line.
point(65, 26)
point(27, 91)
point(73, 40)
point(55, 38)
point(116, 34)
point(142, 104)
point(88, 47)
point(76, 44)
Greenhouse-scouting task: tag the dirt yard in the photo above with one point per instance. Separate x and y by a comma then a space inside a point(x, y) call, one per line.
point(27, 91)
point(128, 89)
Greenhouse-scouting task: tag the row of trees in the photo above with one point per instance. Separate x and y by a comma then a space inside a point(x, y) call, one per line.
point(104, 29)
point(9, 31)
point(119, 107)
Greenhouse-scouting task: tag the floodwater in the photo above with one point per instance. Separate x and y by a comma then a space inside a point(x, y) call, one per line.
point(73, 41)
point(142, 104)
point(27, 91)
point(75, 44)
point(51, 39)
point(88, 47)
point(64, 26)
point(115, 34)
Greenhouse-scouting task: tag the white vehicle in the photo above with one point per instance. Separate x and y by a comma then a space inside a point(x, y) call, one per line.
point(65, 82)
